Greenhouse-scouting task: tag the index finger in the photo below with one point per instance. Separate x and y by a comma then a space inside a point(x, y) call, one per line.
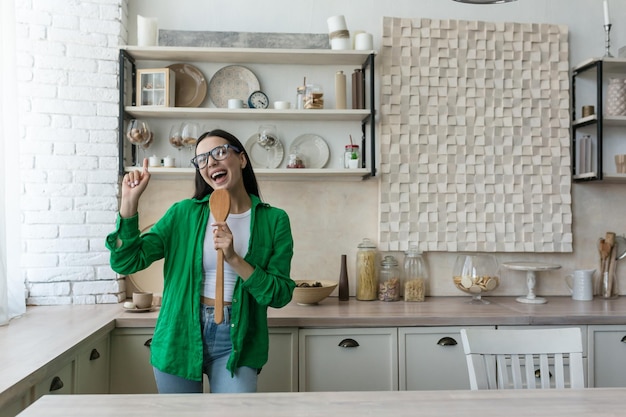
point(145, 165)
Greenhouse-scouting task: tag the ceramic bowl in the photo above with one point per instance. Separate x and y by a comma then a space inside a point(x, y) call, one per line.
point(312, 295)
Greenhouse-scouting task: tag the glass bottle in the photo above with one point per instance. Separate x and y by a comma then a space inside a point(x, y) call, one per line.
point(366, 279)
point(344, 289)
point(389, 280)
point(415, 275)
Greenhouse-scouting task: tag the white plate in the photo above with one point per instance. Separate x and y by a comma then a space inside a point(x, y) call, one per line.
point(233, 81)
point(258, 154)
point(139, 310)
point(312, 148)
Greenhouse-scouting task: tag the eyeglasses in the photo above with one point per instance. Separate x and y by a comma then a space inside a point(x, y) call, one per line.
point(219, 153)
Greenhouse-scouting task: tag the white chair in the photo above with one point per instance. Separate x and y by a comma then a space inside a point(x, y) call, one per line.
point(501, 359)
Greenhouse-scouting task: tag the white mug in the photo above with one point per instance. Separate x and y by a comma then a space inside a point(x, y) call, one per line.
point(235, 103)
point(580, 284)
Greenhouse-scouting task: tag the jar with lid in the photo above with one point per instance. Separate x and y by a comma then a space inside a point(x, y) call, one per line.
point(300, 97)
point(389, 280)
point(313, 97)
point(415, 275)
point(352, 157)
point(366, 278)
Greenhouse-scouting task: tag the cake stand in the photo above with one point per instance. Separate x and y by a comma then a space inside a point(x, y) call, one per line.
point(531, 269)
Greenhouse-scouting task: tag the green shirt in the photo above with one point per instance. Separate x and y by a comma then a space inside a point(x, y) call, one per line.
point(178, 238)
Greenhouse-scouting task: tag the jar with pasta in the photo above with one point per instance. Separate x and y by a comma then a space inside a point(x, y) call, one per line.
point(389, 280)
point(415, 275)
point(366, 276)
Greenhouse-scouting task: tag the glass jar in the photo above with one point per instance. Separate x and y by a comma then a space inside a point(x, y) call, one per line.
point(476, 275)
point(313, 97)
point(295, 161)
point(300, 97)
point(415, 275)
point(366, 279)
point(389, 280)
point(352, 157)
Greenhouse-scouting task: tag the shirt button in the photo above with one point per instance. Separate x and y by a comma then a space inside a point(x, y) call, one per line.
point(234, 300)
point(232, 325)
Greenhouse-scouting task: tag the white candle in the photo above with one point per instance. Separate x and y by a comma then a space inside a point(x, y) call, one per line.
point(147, 31)
point(607, 20)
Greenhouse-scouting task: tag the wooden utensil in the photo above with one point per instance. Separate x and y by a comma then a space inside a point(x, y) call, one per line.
point(219, 202)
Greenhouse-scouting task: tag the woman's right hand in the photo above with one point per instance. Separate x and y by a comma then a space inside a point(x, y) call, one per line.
point(134, 184)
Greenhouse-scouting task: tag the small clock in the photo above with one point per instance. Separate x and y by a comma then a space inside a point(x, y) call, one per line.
point(258, 100)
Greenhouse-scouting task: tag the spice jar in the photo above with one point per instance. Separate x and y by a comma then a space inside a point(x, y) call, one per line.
point(389, 280)
point(295, 161)
point(300, 97)
point(352, 157)
point(366, 279)
point(415, 275)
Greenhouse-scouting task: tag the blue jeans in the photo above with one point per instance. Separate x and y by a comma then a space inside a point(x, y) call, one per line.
point(216, 347)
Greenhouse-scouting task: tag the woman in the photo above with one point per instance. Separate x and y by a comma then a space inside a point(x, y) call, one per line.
point(257, 245)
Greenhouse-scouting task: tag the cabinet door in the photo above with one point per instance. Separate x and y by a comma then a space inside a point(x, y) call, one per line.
point(607, 354)
point(280, 373)
point(131, 372)
point(432, 358)
point(348, 359)
point(58, 382)
point(92, 368)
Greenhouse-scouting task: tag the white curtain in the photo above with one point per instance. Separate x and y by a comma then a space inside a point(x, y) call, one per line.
point(12, 301)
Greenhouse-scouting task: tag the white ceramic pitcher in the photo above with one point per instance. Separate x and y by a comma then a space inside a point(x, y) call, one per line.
point(580, 284)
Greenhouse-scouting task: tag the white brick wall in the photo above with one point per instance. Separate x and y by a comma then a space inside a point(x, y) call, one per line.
point(68, 107)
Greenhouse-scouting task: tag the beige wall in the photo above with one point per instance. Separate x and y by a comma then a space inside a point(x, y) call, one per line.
point(330, 218)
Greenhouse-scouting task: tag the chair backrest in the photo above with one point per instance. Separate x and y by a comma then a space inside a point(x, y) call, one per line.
point(500, 359)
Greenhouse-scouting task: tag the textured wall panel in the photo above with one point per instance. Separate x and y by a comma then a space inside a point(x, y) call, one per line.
point(475, 136)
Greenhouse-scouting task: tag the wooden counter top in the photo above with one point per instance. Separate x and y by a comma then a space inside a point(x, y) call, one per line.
point(596, 402)
point(436, 311)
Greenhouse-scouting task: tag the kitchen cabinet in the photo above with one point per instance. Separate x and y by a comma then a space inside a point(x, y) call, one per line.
point(588, 88)
point(432, 358)
point(277, 67)
point(92, 367)
point(59, 381)
point(364, 359)
point(607, 356)
point(14, 407)
point(131, 372)
point(280, 373)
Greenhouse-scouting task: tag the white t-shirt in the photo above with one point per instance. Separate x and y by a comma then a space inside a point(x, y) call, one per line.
point(239, 225)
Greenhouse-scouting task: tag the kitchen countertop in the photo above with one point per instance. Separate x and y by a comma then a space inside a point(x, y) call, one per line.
point(29, 343)
point(596, 402)
point(435, 311)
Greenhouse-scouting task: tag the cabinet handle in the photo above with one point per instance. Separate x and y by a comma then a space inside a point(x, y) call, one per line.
point(56, 384)
point(623, 339)
point(447, 341)
point(348, 343)
point(94, 354)
point(148, 343)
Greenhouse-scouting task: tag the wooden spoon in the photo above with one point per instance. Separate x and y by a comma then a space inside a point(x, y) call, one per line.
point(219, 203)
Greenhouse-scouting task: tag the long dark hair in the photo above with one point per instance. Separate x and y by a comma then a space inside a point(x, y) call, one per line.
point(249, 179)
